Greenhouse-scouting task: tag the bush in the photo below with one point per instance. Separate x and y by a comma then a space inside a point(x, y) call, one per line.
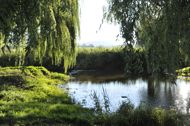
point(143, 115)
point(184, 72)
point(128, 115)
point(100, 59)
point(135, 61)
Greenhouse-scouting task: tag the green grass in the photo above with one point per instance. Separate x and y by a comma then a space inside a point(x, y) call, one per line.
point(98, 49)
point(184, 73)
point(132, 62)
point(143, 115)
point(30, 96)
point(100, 58)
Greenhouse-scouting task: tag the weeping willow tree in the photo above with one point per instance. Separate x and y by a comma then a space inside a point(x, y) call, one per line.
point(43, 29)
point(161, 27)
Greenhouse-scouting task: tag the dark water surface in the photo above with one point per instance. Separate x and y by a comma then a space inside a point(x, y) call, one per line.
point(154, 92)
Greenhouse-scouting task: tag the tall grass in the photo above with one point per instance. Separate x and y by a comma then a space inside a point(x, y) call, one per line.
point(100, 58)
point(14, 58)
point(132, 62)
point(9, 59)
point(128, 115)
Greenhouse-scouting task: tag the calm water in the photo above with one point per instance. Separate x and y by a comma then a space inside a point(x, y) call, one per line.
point(153, 92)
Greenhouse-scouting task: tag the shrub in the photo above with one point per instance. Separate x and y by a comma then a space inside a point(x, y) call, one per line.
point(100, 59)
point(135, 61)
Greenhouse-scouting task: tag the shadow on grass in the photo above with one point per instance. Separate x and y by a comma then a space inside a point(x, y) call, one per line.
point(44, 113)
point(33, 98)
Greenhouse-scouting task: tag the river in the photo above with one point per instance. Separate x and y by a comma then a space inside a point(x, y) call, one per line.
point(118, 88)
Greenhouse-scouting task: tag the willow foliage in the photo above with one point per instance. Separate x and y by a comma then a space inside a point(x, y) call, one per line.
point(45, 28)
point(162, 27)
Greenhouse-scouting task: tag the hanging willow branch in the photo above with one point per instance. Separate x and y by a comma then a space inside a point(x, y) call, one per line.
point(49, 27)
point(161, 27)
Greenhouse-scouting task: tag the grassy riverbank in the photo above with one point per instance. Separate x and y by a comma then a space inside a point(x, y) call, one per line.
point(30, 96)
point(184, 73)
point(143, 115)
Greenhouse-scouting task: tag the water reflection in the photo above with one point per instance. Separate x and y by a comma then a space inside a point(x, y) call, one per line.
point(188, 106)
point(155, 92)
point(151, 88)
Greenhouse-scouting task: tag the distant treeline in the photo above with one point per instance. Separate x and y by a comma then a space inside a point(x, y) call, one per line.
point(99, 58)
point(14, 59)
point(132, 62)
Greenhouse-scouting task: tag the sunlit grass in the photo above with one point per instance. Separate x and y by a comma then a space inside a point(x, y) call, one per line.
point(98, 49)
point(184, 73)
point(37, 99)
point(30, 96)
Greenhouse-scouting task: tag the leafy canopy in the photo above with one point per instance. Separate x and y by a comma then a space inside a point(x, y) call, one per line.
point(161, 27)
point(41, 28)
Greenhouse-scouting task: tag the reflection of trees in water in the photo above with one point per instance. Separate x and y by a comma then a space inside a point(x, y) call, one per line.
point(153, 91)
point(160, 91)
point(188, 106)
point(168, 94)
point(151, 87)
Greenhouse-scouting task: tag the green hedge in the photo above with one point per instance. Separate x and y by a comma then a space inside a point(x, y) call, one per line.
point(100, 59)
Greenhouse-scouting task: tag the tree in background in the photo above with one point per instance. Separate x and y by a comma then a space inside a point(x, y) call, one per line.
point(40, 29)
point(161, 27)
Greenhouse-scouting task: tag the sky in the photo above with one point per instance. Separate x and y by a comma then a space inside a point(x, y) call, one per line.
point(91, 15)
